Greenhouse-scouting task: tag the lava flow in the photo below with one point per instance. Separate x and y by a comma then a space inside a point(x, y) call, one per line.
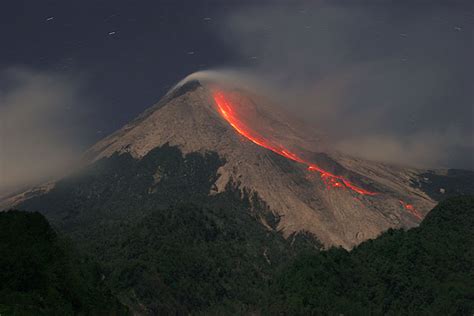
point(226, 109)
point(410, 208)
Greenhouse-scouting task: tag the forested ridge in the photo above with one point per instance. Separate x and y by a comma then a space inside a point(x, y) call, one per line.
point(427, 270)
point(204, 260)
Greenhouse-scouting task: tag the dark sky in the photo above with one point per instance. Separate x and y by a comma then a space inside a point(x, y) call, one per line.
point(387, 80)
point(128, 52)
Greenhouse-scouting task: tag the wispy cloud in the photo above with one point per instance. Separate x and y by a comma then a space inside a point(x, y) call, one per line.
point(39, 126)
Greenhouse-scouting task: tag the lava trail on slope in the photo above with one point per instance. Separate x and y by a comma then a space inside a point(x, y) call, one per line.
point(228, 112)
point(411, 209)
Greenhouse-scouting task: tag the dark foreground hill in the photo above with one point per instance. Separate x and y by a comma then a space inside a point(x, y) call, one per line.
point(42, 274)
point(212, 259)
point(424, 271)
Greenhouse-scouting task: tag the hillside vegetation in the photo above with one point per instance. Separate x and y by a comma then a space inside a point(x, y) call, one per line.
point(42, 274)
point(167, 246)
point(424, 271)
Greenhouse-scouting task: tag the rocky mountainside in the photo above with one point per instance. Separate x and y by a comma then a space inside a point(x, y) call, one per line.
point(266, 153)
point(342, 200)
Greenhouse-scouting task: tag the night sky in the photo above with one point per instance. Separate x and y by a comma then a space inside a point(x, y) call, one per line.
point(129, 54)
point(408, 67)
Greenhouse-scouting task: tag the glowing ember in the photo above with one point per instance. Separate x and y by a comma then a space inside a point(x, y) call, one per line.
point(410, 208)
point(227, 111)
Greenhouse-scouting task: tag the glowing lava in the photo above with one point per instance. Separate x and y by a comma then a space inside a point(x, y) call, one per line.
point(410, 208)
point(227, 111)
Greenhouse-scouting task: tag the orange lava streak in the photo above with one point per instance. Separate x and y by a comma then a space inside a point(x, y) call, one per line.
point(227, 111)
point(410, 208)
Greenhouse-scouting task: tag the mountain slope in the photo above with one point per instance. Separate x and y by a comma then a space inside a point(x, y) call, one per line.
point(303, 199)
point(263, 151)
point(167, 245)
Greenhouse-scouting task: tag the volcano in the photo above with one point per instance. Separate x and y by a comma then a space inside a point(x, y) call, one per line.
point(288, 168)
point(198, 204)
point(309, 188)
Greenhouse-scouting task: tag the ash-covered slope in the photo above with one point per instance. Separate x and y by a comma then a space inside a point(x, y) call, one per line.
point(341, 200)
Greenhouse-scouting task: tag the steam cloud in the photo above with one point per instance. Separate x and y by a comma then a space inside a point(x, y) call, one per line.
point(386, 82)
point(38, 138)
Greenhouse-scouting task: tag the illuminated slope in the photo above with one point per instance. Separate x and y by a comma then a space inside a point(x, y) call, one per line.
point(228, 111)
